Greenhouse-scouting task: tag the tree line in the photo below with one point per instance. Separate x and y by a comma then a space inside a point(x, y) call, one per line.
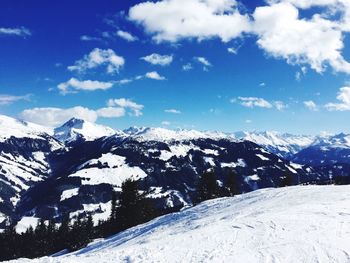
point(131, 208)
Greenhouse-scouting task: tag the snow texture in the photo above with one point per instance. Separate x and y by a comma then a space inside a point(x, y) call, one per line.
point(291, 224)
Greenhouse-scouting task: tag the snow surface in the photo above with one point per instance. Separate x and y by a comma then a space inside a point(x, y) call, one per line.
point(291, 224)
point(25, 223)
point(20, 129)
point(116, 172)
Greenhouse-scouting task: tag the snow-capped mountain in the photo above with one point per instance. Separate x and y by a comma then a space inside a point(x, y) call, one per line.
point(254, 227)
point(282, 144)
point(42, 178)
point(86, 174)
point(11, 127)
point(328, 150)
point(164, 135)
point(24, 160)
point(77, 129)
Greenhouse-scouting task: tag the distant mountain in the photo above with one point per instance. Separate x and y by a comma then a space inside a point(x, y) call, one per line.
point(73, 169)
point(282, 144)
point(164, 135)
point(86, 174)
point(24, 160)
point(77, 129)
point(328, 150)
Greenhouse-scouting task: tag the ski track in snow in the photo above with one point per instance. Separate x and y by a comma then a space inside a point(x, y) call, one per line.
point(292, 224)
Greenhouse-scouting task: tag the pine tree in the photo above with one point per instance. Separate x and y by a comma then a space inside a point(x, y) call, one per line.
point(232, 183)
point(207, 187)
point(286, 180)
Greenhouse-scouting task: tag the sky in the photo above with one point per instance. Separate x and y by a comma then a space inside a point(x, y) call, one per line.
point(223, 65)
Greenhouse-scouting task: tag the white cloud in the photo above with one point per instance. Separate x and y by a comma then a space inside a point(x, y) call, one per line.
point(99, 57)
point(262, 84)
point(232, 50)
point(124, 81)
point(187, 67)
point(279, 105)
point(248, 121)
point(317, 41)
point(126, 35)
point(73, 85)
point(56, 116)
point(311, 105)
point(6, 99)
point(53, 117)
point(156, 59)
point(174, 111)
point(154, 75)
point(18, 31)
point(111, 112)
point(173, 20)
point(252, 102)
point(203, 61)
point(344, 101)
point(166, 123)
point(126, 104)
point(89, 38)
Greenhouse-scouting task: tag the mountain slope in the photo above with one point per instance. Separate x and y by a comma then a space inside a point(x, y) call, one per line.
point(326, 151)
point(24, 161)
point(291, 224)
point(284, 145)
point(86, 174)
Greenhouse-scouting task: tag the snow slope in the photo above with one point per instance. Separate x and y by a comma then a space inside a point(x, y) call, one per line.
point(11, 127)
point(283, 145)
point(292, 224)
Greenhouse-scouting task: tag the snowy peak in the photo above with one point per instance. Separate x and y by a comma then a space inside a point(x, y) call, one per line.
point(340, 140)
point(283, 145)
point(11, 127)
point(164, 135)
point(76, 129)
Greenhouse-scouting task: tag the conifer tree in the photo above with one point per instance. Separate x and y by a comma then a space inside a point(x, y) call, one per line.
point(207, 187)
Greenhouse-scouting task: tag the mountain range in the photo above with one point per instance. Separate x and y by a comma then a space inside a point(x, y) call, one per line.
point(73, 169)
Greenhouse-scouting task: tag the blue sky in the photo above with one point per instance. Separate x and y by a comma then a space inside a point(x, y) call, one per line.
point(217, 65)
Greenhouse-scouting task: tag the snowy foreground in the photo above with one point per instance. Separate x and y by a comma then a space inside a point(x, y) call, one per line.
point(293, 224)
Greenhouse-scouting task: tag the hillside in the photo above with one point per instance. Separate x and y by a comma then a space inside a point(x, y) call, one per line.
point(292, 224)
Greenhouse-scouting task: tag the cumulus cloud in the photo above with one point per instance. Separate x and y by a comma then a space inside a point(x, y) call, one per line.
point(99, 57)
point(279, 105)
point(282, 29)
point(154, 75)
point(344, 101)
point(156, 59)
point(173, 20)
point(6, 99)
point(136, 109)
point(56, 116)
point(187, 67)
point(53, 117)
point(317, 41)
point(174, 111)
point(111, 112)
point(252, 102)
point(310, 105)
point(73, 85)
point(126, 36)
point(17, 31)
